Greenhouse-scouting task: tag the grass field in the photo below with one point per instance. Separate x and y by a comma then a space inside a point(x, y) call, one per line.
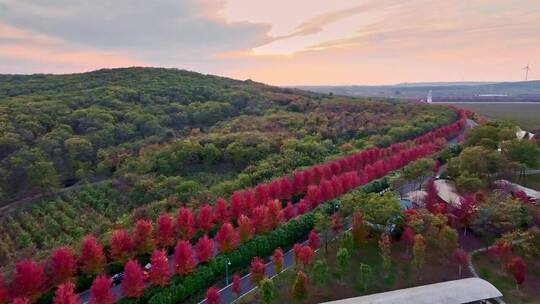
point(527, 115)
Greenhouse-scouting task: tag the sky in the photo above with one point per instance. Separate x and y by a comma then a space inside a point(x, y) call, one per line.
point(293, 42)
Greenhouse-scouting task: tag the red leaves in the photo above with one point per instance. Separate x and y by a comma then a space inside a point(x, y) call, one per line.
point(4, 293)
point(313, 240)
point(257, 270)
point(133, 280)
point(205, 249)
point(305, 256)
point(460, 256)
point(274, 213)
point(238, 205)
point(63, 265)
point(336, 223)
point(260, 219)
point(517, 268)
point(314, 196)
point(185, 223)
point(205, 218)
point(277, 259)
point(297, 249)
point(91, 257)
point(245, 228)
point(226, 237)
point(288, 212)
point(183, 257)
point(159, 273)
point(65, 294)
point(236, 283)
point(261, 194)
point(221, 213)
point(286, 188)
point(143, 241)
point(121, 246)
point(501, 249)
point(21, 301)
point(407, 236)
point(28, 280)
point(165, 230)
point(100, 291)
point(212, 295)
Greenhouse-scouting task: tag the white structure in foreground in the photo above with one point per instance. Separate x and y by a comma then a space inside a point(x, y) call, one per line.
point(470, 290)
point(447, 192)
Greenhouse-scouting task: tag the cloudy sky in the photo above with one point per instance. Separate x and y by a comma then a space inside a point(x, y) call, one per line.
point(281, 42)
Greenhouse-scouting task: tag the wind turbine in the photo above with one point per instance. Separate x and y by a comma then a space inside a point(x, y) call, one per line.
point(527, 68)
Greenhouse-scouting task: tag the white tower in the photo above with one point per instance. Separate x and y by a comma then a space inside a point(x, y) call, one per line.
point(430, 97)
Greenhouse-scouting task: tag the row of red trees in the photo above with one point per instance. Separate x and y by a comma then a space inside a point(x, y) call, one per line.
point(251, 211)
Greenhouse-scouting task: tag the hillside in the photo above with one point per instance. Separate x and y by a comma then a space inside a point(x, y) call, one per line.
point(166, 139)
point(62, 126)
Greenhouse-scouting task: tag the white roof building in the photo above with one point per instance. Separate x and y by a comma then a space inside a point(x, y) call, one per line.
point(470, 290)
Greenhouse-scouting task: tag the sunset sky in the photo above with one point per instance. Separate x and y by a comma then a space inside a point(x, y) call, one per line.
point(276, 41)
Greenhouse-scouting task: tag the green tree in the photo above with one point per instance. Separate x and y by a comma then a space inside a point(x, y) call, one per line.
point(267, 290)
point(342, 261)
point(347, 241)
point(525, 152)
point(319, 272)
point(419, 252)
point(384, 251)
point(323, 224)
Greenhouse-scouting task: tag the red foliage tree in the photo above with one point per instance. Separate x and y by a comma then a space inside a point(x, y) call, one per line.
point(313, 240)
point(460, 257)
point(302, 207)
point(20, 301)
point(183, 257)
point(297, 182)
point(502, 250)
point(518, 269)
point(221, 213)
point(236, 283)
point(245, 228)
point(257, 270)
point(306, 256)
point(314, 196)
point(238, 204)
point(465, 211)
point(63, 265)
point(185, 223)
point(165, 230)
point(159, 273)
point(274, 190)
point(274, 213)
point(205, 249)
point(359, 232)
point(288, 212)
point(65, 294)
point(336, 222)
point(249, 198)
point(143, 241)
point(262, 194)
point(277, 259)
point(286, 188)
point(91, 257)
point(205, 218)
point(407, 237)
point(226, 237)
point(297, 249)
point(260, 219)
point(121, 246)
point(326, 190)
point(4, 293)
point(133, 280)
point(28, 280)
point(100, 291)
point(212, 295)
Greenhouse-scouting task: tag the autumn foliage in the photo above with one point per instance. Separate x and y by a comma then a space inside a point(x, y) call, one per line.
point(257, 270)
point(212, 295)
point(159, 274)
point(133, 280)
point(28, 280)
point(165, 230)
point(185, 223)
point(183, 257)
point(100, 291)
point(277, 259)
point(65, 294)
point(143, 241)
point(121, 246)
point(517, 268)
point(63, 265)
point(205, 249)
point(91, 257)
point(226, 237)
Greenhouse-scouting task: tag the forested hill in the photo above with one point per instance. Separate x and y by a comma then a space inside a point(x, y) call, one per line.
point(55, 129)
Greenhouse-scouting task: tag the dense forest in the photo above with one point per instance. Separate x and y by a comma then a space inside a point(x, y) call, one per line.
point(161, 139)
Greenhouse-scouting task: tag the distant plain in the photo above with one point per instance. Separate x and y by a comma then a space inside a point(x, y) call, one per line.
point(527, 115)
